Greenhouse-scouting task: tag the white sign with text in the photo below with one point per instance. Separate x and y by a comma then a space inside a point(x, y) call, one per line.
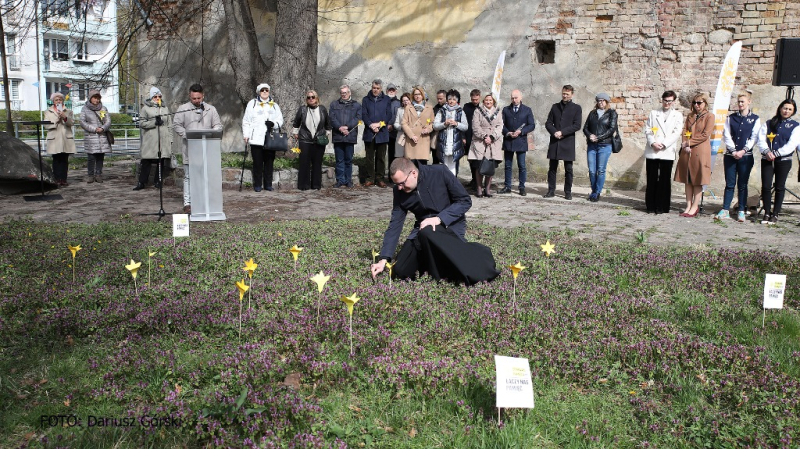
point(774, 286)
point(514, 386)
point(180, 225)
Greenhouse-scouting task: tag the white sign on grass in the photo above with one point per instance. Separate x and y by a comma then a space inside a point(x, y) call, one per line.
point(514, 386)
point(180, 225)
point(774, 286)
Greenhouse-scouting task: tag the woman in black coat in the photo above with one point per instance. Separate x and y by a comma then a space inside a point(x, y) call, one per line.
point(311, 126)
point(599, 131)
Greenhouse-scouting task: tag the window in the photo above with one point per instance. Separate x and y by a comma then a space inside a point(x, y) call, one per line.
point(58, 49)
point(13, 88)
point(11, 52)
point(56, 86)
point(82, 92)
point(55, 8)
point(545, 52)
point(82, 50)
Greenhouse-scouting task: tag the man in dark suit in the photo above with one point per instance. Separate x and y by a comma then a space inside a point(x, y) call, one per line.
point(517, 124)
point(563, 121)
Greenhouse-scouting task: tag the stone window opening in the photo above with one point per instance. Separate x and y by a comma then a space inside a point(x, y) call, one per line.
point(545, 52)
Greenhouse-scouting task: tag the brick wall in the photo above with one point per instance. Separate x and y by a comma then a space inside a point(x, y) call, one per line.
point(670, 44)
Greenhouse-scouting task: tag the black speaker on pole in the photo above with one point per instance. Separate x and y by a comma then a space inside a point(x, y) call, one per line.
point(786, 71)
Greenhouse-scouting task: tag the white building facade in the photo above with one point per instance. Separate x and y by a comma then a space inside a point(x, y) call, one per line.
point(76, 52)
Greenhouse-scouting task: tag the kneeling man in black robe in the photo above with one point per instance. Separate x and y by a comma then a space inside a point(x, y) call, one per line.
point(436, 245)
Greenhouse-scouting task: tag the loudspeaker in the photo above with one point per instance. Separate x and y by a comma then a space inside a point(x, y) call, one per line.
point(786, 71)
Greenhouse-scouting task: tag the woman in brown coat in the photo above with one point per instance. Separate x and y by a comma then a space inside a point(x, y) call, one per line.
point(487, 141)
point(417, 126)
point(694, 162)
point(60, 141)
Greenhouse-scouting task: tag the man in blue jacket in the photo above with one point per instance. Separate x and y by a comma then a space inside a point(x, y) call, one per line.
point(436, 245)
point(345, 113)
point(376, 108)
point(517, 124)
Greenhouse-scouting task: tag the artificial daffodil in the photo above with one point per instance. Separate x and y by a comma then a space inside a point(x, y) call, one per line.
point(654, 129)
point(687, 134)
point(295, 250)
point(515, 269)
point(389, 267)
point(150, 254)
point(548, 248)
point(250, 267)
point(320, 279)
point(771, 136)
point(374, 255)
point(350, 301)
point(242, 287)
point(74, 250)
point(133, 267)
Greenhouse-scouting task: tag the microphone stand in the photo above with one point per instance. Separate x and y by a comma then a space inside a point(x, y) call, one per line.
point(161, 212)
point(41, 197)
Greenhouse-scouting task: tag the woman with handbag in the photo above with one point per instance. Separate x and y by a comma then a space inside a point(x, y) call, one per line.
point(96, 121)
point(599, 129)
point(400, 143)
point(310, 128)
point(261, 115)
point(60, 141)
point(486, 150)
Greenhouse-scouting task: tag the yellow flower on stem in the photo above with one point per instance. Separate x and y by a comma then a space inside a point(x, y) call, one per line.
point(381, 124)
point(102, 115)
point(654, 129)
point(74, 250)
point(149, 255)
point(389, 267)
point(133, 267)
point(771, 137)
point(295, 250)
point(295, 150)
point(428, 121)
point(360, 123)
point(271, 103)
point(687, 134)
point(548, 248)
point(374, 255)
point(350, 301)
point(320, 279)
point(515, 269)
point(242, 287)
point(250, 267)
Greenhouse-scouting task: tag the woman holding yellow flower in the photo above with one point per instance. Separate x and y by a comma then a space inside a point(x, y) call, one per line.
point(778, 139)
point(694, 162)
point(60, 141)
point(95, 120)
point(311, 126)
point(418, 120)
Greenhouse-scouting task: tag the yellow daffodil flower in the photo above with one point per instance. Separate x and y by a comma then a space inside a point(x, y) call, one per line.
point(515, 269)
point(771, 136)
point(250, 267)
point(654, 129)
point(152, 253)
point(102, 115)
point(133, 267)
point(295, 150)
point(428, 121)
point(320, 279)
point(350, 301)
point(382, 124)
point(74, 249)
point(374, 255)
point(548, 248)
point(360, 123)
point(271, 103)
point(389, 267)
point(687, 134)
point(242, 289)
point(295, 250)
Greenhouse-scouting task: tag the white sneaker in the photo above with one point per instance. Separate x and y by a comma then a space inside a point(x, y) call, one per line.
point(741, 217)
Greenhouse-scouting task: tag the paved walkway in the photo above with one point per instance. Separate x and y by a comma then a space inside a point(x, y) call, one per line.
point(617, 217)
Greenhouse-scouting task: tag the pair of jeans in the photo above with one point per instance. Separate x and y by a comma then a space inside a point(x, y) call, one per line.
point(376, 161)
point(344, 163)
point(597, 155)
point(508, 158)
point(263, 163)
point(737, 175)
point(144, 171)
point(60, 166)
point(309, 175)
point(658, 192)
point(95, 163)
point(551, 176)
point(780, 171)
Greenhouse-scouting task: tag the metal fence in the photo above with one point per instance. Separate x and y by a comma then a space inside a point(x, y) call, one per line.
point(127, 143)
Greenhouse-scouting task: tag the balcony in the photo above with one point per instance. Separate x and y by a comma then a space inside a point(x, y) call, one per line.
point(13, 62)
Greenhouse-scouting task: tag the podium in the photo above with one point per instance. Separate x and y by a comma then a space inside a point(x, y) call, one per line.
point(205, 174)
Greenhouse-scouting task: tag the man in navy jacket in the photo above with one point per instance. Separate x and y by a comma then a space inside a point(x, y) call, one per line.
point(345, 113)
point(562, 123)
point(517, 124)
point(376, 108)
point(436, 245)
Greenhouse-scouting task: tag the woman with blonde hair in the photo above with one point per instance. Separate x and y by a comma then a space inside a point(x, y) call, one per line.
point(418, 125)
point(487, 141)
point(310, 127)
point(694, 162)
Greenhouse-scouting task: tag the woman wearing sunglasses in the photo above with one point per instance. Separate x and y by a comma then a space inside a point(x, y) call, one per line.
point(311, 126)
point(155, 121)
point(694, 162)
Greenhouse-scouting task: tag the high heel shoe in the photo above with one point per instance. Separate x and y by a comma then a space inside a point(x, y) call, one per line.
point(684, 214)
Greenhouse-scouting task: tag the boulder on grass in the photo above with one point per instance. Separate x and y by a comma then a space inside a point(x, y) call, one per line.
point(19, 168)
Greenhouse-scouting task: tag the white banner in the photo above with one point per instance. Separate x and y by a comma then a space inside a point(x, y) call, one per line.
point(497, 81)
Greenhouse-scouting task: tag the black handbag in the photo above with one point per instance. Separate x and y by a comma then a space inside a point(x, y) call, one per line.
point(487, 167)
point(616, 143)
point(277, 140)
point(322, 138)
point(109, 137)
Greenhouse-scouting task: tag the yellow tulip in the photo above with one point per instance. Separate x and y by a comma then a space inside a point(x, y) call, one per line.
point(133, 267)
point(242, 289)
point(295, 250)
point(515, 269)
point(74, 249)
point(548, 248)
point(350, 301)
point(320, 279)
point(250, 267)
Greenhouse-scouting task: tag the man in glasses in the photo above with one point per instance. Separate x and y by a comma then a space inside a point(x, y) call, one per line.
point(663, 131)
point(376, 113)
point(436, 245)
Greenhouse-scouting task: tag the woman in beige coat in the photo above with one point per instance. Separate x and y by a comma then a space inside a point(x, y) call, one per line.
point(694, 162)
point(487, 141)
point(418, 126)
point(60, 141)
point(156, 125)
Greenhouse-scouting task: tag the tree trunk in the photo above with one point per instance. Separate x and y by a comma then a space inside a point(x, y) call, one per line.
point(294, 62)
point(248, 66)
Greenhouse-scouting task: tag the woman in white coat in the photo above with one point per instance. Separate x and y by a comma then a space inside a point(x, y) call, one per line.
point(260, 116)
point(60, 141)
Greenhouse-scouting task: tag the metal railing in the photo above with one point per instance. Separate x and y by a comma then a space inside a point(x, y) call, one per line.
point(128, 143)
